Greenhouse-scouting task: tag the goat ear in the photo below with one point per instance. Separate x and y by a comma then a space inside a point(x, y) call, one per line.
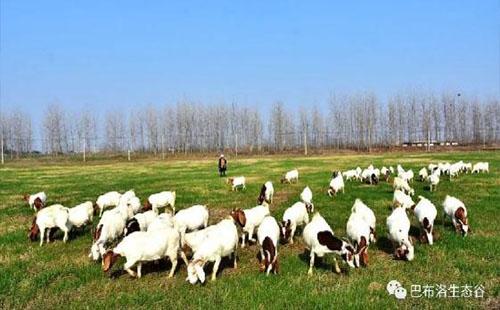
point(241, 218)
point(200, 273)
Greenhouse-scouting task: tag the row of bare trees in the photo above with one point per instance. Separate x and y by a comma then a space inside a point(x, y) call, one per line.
point(359, 121)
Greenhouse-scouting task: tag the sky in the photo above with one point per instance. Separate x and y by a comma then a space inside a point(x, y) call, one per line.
point(105, 55)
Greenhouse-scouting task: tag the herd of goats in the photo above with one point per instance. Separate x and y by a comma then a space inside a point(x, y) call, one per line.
point(154, 230)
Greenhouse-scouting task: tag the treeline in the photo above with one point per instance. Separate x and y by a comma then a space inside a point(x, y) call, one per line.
point(360, 121)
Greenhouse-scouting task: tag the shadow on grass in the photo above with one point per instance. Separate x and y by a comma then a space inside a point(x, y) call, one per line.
point(321, 262)
point(384, 244)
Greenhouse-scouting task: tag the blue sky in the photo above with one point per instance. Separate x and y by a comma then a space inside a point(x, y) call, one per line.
point(113, 54)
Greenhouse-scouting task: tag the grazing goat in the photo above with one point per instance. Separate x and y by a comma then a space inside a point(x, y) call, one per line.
point(422, 174)
point(400, 199)
point(50, 217)
point(140, 222)
point(294, 216)
point(367, 215)
point(306, 196)
point(161, 200)
point(481, 167)
point(222, 241)
point(36, 201)
point(135, 204)
point(192, 218)
point(398, 227)
point(81, 214)
point(369, 176)
point(351, 175)
point(386, 173)
point(266, 193)
point(319, 240)
point(145, 246)
point(268, 235)
point(336, 184)
point(426, 212)
point(249, 220)
point(358, 231)
point(195, 239)
point(402, 185)
point(125, 198)
point(456, 210)
point(433, 180)
point(163, 220)
point(109, 199)
point(291, 176)
point(109, 228)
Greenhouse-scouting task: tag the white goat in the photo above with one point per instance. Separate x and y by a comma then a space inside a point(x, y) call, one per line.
point(163, 220)
point(237, 182)
point(135, 204)
point(145, 246)
point(125, 198)
point(481, 167)
point(358, 231)
point(294, 216)
point(426, 212)
point(433, 180)
point(369, 175)
point(306, 195)
point(50, 217)
point(456, 210)
point(422, 174)
point(81, 214)
point(351, 175)
point(291, 176)
point(109, 228)
point(36, 201)
point(319, 240)
point(109, 199)
point(400, 199)
point(222, 241)
point(195, 239)
point(367, 215)
point(249, 220)
point(398, 227)
point(268, 235)
point(407, 175)
point(161, 200)
point(402, 185)
point(140, 222)
point(266, 193)
point(336, 185)
point(192, 218)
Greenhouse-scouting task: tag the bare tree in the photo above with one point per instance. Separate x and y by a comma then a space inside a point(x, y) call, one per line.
point(53, 127)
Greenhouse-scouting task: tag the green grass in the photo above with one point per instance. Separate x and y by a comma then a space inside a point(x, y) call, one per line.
point(61, 274)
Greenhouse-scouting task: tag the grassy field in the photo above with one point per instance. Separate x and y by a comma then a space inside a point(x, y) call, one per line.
point(61, 274)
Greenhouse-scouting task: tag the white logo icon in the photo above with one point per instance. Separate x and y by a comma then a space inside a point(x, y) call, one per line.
point(395, 288)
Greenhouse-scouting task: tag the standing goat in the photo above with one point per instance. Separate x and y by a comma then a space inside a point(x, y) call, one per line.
point(319, 239)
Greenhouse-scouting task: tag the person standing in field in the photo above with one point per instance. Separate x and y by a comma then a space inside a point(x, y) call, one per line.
point(222, 165)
